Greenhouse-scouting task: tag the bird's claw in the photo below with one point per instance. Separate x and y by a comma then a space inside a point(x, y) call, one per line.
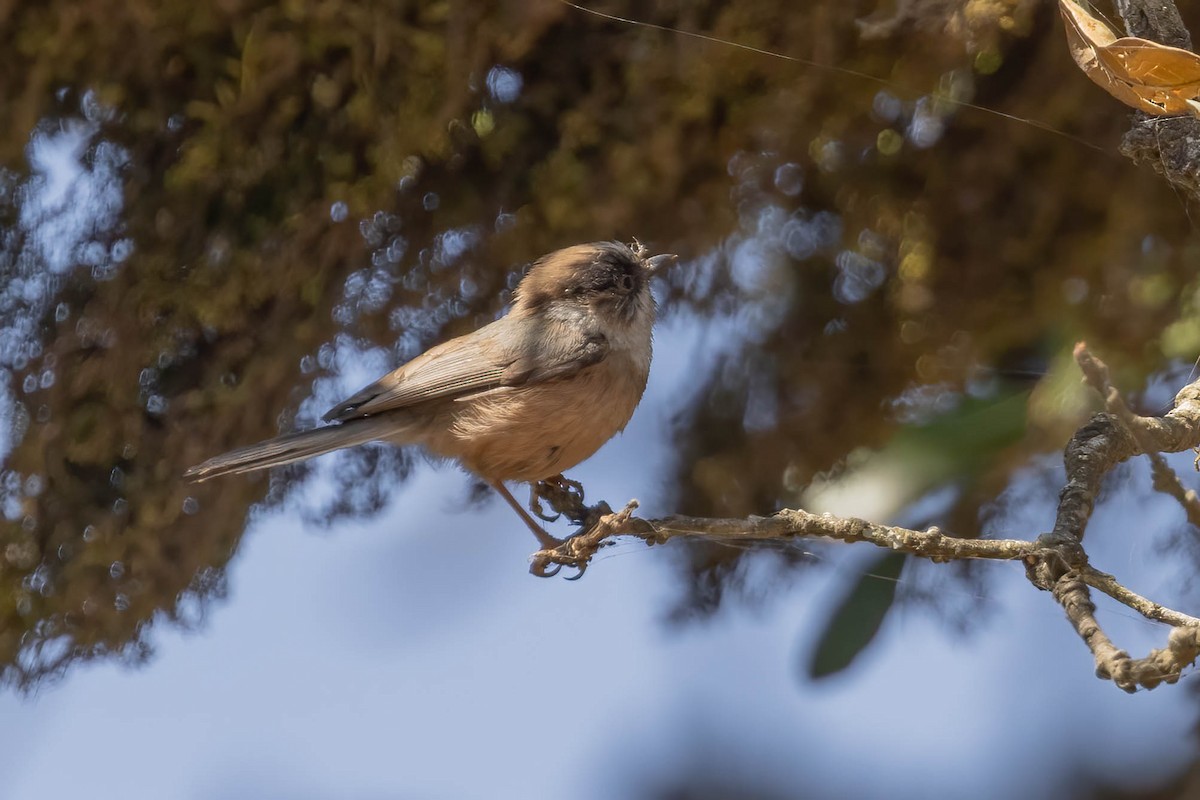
point(539, 569)
point(535, 506)
point(564, 495)
point(549, 561)
point(543, 568)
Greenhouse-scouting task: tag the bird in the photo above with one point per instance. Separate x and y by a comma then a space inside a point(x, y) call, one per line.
point(521, 399)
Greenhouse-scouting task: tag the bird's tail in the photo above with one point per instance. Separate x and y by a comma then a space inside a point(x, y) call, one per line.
point(293, 447)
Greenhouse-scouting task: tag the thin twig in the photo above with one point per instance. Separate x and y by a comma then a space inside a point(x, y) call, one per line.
point(1055, 561)
point(1147, 608)
point(1096, 375)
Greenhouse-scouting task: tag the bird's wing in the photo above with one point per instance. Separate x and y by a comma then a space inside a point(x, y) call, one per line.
point(490, 358)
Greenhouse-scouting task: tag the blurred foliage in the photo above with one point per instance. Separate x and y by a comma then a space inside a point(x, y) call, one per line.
point(855, 621)
point(306, 180)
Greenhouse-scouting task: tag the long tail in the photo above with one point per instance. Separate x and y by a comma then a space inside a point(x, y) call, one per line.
point(293, 447)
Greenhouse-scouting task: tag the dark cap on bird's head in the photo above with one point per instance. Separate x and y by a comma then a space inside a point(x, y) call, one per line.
point(589, 272)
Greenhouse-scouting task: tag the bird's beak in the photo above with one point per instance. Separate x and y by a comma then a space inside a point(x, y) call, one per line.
point(653, 265)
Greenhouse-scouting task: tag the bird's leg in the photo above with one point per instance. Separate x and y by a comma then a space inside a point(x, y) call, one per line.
point(547, 541)
point(563, 494)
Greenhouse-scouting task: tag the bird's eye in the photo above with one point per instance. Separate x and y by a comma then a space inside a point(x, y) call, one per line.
point(625, 283)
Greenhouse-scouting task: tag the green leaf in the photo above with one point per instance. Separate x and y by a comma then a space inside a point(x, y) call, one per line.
point(859, 616)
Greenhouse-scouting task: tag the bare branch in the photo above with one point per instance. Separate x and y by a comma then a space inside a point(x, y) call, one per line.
point(1054, 561)
point(1147, 608)
point(1160, 666)
point(1165, 480)
point(787, 524)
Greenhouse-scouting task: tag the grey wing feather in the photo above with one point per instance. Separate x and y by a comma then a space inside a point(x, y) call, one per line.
point(496, 356)
point(455, 367)
point(582, 351)
point(294, 447)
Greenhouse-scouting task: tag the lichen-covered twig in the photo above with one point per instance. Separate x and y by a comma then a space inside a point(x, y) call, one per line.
point(932, 544)
point(1095, 373)
point(1054, 561)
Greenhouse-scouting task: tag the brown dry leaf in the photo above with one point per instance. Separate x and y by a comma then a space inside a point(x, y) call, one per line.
point(1142, 74)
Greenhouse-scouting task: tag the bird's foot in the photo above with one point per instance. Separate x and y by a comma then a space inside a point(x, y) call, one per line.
point(576, 551)
point(564, 495)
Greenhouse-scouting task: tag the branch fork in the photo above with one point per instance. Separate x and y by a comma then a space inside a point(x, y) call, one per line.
point(1055, 561)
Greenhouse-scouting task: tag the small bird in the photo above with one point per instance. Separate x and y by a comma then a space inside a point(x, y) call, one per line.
point(521, 399)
